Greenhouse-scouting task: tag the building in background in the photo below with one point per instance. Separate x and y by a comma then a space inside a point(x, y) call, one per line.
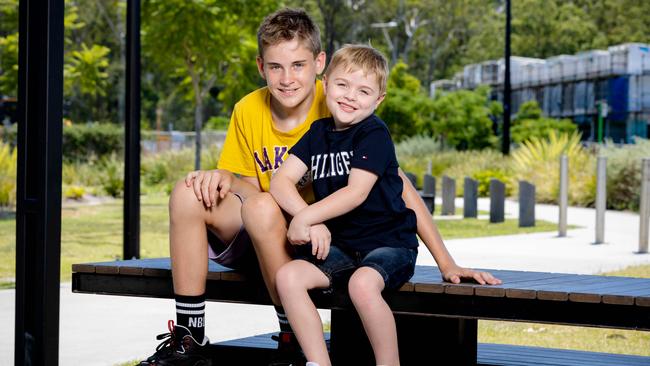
point(614, 83)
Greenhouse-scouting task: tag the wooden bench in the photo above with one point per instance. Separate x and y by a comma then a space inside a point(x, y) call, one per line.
point(432, 316)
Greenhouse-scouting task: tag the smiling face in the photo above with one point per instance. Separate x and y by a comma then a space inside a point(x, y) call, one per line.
point(351, 96)
point(290, 69)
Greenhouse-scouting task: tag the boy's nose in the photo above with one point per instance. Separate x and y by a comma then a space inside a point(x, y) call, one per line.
point(286, 78)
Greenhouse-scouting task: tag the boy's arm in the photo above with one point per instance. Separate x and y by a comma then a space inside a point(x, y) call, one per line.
point(342, 201)
point(283, 185)
point(428, 232)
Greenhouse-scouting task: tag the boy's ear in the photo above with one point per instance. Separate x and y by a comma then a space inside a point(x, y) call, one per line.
point(324, 80)
point(380, 99)
point(320, 62)
point(260, 66)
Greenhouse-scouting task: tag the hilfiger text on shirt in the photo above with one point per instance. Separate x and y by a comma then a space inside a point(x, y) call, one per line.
point(330, 164)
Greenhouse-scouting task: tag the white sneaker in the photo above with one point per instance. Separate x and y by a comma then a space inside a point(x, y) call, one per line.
point(311, 364)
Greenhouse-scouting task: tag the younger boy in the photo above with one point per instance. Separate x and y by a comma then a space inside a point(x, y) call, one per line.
point(351, 159)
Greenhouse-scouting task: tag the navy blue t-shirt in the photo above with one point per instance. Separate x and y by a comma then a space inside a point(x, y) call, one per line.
point(382, 219)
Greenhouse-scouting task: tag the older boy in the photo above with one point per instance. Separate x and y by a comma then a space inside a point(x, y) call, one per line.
point(205, 220)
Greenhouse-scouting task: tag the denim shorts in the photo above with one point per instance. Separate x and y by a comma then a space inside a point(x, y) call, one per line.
point(395, 265)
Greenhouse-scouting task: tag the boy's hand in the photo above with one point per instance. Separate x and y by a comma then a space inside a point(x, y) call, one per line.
point(320, 240)
point(206, 184)
point(455, 274)
point(298, 232)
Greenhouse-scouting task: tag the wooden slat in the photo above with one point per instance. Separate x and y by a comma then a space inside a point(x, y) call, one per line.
point(107, 269)
point(586, 288)
point(83, 268)
point(427, 280)
point(156, 272)
point(459, 289)
point(615, 292)
point(131, 271)
point(528, 289)
point(642, 301)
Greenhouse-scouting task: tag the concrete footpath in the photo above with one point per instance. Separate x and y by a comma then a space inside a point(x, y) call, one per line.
point(107, 330)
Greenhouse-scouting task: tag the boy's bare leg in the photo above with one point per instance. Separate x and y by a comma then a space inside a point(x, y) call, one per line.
point(293, 281)
point(188, 220)
point(267, 228)
point(365, 288)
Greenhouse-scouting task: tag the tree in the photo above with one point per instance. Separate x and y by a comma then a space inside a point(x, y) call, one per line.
point(9, 64)
point(462, 119)
point(85, 72)
point(200, 39)
point(406, 107)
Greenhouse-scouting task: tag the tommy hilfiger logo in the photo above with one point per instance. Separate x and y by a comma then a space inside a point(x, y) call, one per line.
point(330, 165)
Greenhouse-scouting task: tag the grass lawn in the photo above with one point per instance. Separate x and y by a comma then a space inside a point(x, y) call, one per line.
point(578, 338)
point(93, 233)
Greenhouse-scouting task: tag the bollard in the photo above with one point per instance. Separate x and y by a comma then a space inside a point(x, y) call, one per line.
point(526, 204)
point(563, 200)
point(429, 192)
point(601, 198)
point(644, 212)
point(448, 195)
point(497, 201)
point(470, 198)
point(412, 178)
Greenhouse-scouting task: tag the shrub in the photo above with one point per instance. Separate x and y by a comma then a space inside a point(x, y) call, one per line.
point(462, 119)
point(74, 192)
point(86, 141)
point(8, 164)
point(526, 129)
point(484, 176)
point(217, 123)
point(418, 145)
point(538, 162)
point(624, 173)
point(112, 179)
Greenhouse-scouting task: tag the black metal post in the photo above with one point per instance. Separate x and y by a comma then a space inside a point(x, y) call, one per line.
point(506, 88)
point(132, 133)
point(38, 219)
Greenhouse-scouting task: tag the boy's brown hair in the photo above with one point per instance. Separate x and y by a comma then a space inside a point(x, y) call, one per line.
point(367, 59)
point(285, 25)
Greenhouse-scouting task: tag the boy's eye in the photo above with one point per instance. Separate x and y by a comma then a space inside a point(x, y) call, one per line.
point(365, 92)
point(275, 67)
point(342, 85)
point(298, 66)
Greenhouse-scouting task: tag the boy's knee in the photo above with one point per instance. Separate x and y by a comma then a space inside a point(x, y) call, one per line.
point(363, 285)
point(286, 279)
point(260, 209)
point(182, 200)
point(262, 201)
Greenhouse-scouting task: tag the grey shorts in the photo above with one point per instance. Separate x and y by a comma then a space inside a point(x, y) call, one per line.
point(238, 254)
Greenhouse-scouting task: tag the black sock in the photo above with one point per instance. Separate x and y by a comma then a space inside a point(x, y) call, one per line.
point(190, 313)
point(282, 319)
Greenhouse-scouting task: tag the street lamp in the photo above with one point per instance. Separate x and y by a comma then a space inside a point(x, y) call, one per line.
point(384, 29)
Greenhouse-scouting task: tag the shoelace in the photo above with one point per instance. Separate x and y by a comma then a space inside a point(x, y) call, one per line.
point(168, 337)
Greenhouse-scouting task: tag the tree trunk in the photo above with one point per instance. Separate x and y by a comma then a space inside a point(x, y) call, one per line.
point(198, 122)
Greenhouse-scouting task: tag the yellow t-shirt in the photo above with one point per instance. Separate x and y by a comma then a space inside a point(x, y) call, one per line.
point(253, 146)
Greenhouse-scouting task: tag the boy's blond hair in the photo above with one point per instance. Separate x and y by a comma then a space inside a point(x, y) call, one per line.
point(285, 25)
point(357, 56)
